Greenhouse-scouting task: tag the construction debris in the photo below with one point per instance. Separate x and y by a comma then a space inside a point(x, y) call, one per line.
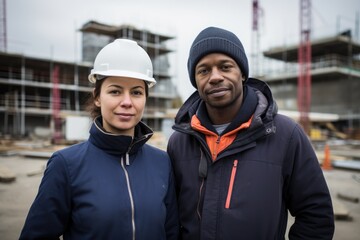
point(347, 164)
point(37, 172)
point(340, 211)
point(6, 175)
point(348, 197)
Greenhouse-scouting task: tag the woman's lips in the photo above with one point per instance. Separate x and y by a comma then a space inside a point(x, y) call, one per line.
point(124, 116)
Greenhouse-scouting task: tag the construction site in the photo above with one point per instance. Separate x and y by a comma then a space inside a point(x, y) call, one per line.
point(316, 82)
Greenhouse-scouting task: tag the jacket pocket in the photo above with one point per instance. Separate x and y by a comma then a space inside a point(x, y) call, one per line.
point(231, 184)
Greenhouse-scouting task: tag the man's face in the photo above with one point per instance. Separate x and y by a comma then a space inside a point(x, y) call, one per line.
point(220, 82)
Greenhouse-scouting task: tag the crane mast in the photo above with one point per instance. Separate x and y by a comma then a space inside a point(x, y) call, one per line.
point(304, 61)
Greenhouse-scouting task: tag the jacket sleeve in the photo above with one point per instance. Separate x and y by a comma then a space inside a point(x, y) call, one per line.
point(172, 217)
point(307, 195)
point(50, 212)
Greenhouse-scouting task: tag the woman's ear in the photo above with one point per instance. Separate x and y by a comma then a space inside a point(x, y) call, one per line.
point(96, 99)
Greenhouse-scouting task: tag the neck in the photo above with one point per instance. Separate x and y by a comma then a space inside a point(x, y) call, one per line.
point(222, 115)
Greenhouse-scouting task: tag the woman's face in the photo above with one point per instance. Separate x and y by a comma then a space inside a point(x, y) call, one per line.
point(122, 102)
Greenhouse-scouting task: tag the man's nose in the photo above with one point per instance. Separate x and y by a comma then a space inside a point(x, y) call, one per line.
point(215, 76)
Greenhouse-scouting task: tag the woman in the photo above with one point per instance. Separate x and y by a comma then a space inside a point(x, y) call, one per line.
point(114, 185)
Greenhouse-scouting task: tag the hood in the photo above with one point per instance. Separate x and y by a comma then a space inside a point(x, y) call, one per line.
point(188, 109)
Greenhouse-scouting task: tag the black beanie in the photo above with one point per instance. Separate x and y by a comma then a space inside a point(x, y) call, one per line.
point(216, 40)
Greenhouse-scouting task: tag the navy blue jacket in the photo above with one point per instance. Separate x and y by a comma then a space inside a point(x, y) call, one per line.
point(93, 191)
point(245, 190)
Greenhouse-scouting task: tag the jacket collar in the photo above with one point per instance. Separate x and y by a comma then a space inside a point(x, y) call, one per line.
point(118, 144)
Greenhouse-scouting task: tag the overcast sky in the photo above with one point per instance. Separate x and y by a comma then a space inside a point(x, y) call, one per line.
point(49, 29)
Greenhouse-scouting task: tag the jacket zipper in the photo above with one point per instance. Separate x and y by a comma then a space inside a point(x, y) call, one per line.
point(231, 185)
point(130, 195)
point(200, 193)
point(214, 154)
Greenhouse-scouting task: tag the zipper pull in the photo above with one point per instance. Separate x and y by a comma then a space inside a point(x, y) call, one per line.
point(127, 160)
point(215, 152)
point(235, 164)
point(231, 184)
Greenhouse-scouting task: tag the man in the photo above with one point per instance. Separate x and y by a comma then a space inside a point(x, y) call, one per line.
point(240, 166)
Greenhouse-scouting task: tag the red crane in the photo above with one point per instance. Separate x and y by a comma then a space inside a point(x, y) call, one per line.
point(3, 33)
point(304, 60)
point(56, 105)
point(256, 14)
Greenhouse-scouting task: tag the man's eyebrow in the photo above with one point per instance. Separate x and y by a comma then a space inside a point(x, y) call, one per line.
point(220, 61)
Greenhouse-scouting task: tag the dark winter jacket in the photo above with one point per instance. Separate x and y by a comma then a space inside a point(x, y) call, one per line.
point(93, 191)
point(241, 185)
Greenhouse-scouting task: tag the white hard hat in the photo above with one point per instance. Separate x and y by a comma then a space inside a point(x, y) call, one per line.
point(123, 58)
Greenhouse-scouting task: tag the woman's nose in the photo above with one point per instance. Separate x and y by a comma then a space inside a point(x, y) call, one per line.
point(126, 100)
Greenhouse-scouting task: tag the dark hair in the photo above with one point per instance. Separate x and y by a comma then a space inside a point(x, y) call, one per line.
point(90, 103)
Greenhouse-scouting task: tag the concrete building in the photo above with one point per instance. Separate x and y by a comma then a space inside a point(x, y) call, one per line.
point(335, 79)
point(37, 96)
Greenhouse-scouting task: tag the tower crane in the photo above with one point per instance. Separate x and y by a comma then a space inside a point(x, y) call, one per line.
point(256, 13)
point(304, 61)
point(3, 37)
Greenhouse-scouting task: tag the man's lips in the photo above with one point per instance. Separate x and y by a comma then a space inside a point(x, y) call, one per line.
point(218, 92)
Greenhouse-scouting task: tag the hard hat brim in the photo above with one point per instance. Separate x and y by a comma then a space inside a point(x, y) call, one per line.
point(118, 73)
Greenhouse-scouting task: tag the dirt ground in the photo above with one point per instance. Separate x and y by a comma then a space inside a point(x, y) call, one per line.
point(17, 196)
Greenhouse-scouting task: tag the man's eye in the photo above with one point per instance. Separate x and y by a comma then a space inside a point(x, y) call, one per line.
point(202, 71)
point(226, 67)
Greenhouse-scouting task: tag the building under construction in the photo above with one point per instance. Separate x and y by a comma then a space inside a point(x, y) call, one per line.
point(37, 96)
point(334, 86)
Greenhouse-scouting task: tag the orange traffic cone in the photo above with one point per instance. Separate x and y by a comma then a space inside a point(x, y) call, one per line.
point(326, 165)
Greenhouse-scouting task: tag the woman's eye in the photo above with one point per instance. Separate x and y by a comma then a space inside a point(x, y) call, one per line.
point(114, 92)
point(138, 92)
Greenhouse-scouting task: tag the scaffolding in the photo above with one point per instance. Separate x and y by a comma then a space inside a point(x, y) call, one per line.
point(43, 93)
